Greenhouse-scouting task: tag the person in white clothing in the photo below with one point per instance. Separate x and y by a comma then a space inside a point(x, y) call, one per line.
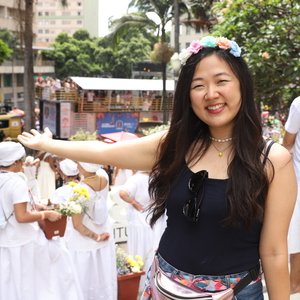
point(142, 239)
point(91, 241)
point(30, 170)
point(31, 267)
point(291, 141)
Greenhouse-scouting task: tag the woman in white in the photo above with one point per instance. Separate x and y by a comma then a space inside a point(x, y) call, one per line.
point(142, 239)
point(91, 242)
point(31, 267)
point(30, 170)
point(69, 173)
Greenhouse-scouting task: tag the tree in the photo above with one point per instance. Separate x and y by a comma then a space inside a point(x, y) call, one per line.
point(27, 32)
point(164, 10)
point(268, 33)
point(5, 51)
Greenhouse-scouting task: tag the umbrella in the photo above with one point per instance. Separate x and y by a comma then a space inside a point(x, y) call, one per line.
point(118, 136)
point(18, 112)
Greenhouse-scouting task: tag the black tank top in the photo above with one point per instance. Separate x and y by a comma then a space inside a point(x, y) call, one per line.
point(207, 247)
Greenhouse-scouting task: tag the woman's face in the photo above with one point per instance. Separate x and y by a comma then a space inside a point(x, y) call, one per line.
point(215, 93)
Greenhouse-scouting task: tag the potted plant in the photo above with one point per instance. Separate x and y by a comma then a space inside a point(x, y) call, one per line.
point(74, 206)
point(129, 272)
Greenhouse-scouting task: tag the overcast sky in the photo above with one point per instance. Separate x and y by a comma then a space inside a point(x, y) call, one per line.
point(108, 8)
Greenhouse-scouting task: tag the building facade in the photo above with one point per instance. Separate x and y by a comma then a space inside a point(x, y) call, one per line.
point(52, 19)
point(12, 71)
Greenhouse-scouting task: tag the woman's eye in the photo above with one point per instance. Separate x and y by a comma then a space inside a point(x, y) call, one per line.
point(223, 80)
point(197, 86)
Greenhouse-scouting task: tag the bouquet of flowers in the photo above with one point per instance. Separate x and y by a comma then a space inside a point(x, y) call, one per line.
point(76, 205)
point(126, 263)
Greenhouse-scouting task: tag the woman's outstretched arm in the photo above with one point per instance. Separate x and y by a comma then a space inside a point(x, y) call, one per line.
point(138, 154)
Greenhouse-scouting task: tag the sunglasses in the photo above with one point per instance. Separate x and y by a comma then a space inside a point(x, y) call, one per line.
point(191, 208)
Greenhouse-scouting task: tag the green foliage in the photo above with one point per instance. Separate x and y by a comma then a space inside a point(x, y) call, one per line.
point(269, 34)
point(82, 55)
point(5, 51)
point(155, 129)
point(83, 136)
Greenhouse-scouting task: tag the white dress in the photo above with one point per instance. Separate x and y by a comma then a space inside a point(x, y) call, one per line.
point(122, 176)
point(30, 172)
point(46, 179)
point(95, 261)
point(31, 267)
point(142, 239)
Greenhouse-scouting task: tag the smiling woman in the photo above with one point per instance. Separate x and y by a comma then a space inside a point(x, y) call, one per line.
point(224, 224)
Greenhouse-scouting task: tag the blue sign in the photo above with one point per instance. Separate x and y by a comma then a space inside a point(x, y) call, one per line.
point(114, 122)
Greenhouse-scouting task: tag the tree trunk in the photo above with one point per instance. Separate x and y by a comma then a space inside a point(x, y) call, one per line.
point(176, 26)
point(29, 94)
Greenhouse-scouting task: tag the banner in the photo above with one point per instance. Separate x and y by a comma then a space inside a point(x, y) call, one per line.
point(114, 122)
point(49, 117)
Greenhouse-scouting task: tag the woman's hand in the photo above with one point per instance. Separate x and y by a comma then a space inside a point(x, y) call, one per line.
point(105, 236)
point(52, 216)
point(34, 140)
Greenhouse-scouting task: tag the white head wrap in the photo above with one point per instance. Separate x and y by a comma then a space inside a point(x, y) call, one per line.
point(29, 159)
point(10, 152)
point(69, 167)
point(92, 168)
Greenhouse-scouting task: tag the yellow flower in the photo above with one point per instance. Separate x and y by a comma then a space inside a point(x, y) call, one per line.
point(72, 183)
point(72, 199)
point(138, 257)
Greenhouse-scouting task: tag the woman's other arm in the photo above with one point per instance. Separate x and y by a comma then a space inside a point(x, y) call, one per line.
point(278, 211)
point(82, 229)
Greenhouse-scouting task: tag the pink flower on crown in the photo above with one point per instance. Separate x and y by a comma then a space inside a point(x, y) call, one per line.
point(222, 43)
point(194, 47)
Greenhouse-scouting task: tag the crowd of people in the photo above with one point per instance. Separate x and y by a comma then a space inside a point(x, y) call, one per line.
point(219, 181)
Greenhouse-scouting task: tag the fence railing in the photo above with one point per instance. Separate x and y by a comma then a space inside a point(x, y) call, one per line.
point(104, 104)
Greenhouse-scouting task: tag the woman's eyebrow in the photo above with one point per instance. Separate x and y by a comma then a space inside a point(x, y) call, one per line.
point(216, 75)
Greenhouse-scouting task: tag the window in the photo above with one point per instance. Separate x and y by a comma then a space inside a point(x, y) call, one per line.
point(46, 22)
point(52, 22)
point(40, 13)
point(187, 45)
point(79, 22)
point(187, 29)
point(179, 47)
point(20, 79)
point(65, 22)
point(180, 29)
point(79, 3)
point(197, 29)
point(79, 13)
point(52, 13)
point(7, 80)
point(40, 31)
point(66, 13)
point(40, 22)
point(4, 123)
point(47, 31)
point(47, 40)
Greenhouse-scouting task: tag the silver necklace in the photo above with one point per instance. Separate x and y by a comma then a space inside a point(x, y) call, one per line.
point(221, 151)
point(220, 141)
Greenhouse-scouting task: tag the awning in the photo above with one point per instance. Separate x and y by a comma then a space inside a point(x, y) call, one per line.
point(121, 84)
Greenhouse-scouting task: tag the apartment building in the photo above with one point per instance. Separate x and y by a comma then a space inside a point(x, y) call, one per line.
point(12, 71)
point(52, 19)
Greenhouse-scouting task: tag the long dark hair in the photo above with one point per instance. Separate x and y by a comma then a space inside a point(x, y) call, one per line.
point(248, 182)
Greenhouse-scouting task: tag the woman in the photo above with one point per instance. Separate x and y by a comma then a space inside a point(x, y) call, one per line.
point(91, 241)
point(31, 267)
point(30, 170)
point(224, 192)
point(46, 176)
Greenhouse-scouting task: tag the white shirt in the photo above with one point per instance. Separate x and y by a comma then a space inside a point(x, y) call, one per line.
point(293, 126)
point(13, 190)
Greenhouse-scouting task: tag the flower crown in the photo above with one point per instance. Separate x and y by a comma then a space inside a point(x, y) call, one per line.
point(209, 41)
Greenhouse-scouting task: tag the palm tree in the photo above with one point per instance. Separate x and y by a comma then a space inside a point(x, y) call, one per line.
point(165, 11)
point(29, 93)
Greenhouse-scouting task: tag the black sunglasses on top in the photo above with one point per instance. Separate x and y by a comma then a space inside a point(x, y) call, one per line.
point(191, 208)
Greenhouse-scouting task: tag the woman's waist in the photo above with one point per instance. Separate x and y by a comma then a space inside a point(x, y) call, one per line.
point(205, 282)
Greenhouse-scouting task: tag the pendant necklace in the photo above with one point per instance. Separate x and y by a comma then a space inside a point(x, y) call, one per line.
point(221, 151)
